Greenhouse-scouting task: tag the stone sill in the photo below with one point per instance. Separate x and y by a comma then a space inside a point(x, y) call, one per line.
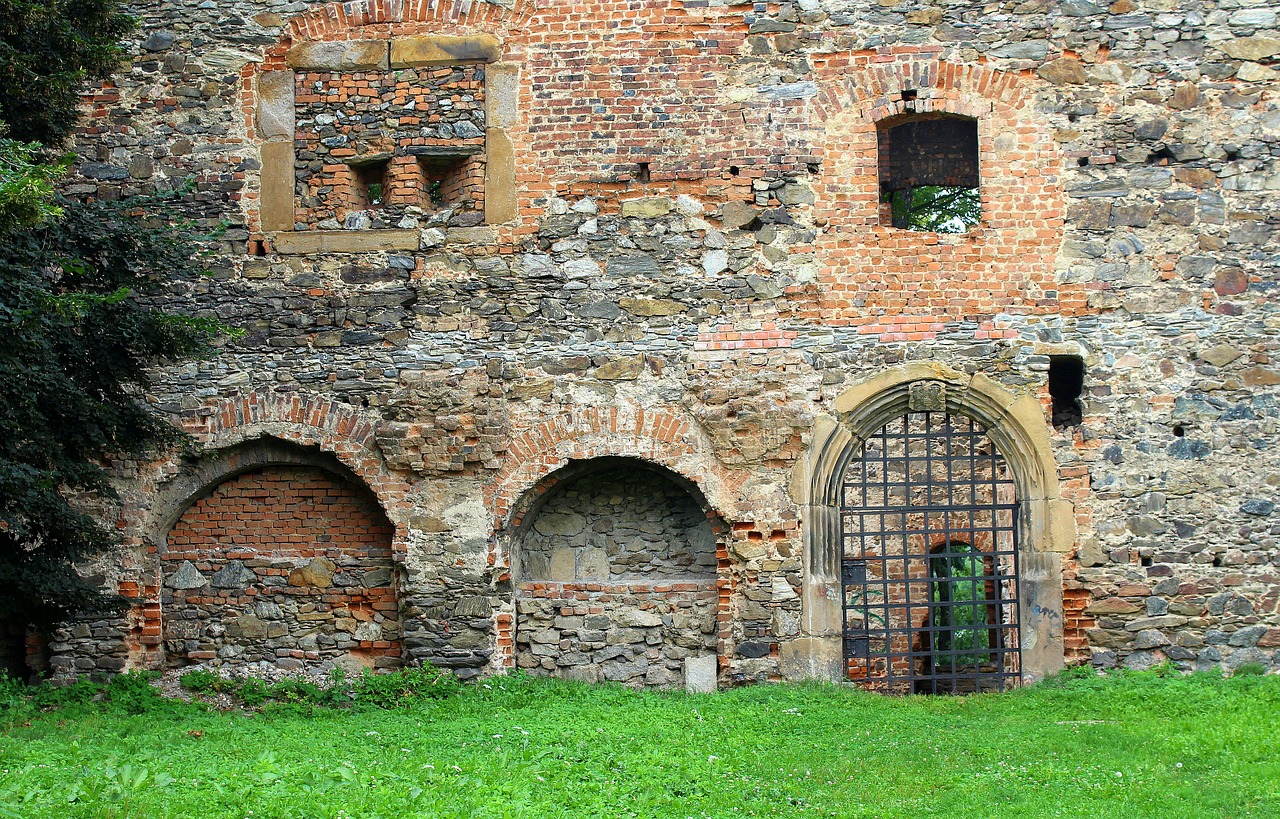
point(305, 242)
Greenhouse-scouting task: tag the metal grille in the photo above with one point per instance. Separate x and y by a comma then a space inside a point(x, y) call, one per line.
point(930, 560)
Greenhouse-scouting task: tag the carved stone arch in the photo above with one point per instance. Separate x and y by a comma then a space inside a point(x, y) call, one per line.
point(1017, 427)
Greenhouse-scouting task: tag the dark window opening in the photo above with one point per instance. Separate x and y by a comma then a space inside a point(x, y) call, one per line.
point(369, 186)
point(929, 172)
point(642, 172)
point(452, 181)
point(1066, 385)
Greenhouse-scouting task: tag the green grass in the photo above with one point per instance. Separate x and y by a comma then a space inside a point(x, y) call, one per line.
point(1125, 745)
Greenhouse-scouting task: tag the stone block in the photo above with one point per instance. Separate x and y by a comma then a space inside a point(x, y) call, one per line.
point(411, 52)
point(700, 673)
point(649, 207)
point(276, 208)
point(343, 55)
point(563, 565)
point(276, 105)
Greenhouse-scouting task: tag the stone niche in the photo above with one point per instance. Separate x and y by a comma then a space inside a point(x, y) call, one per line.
point(286, 565)
point(616, 577)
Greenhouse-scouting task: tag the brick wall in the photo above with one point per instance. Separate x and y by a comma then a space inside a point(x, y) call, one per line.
point(286, 565)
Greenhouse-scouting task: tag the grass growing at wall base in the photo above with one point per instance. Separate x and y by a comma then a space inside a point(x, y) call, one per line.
point(1129, 744)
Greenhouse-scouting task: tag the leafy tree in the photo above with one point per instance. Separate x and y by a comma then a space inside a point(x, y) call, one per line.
point(48, 48)
point(939, 208)
point(78, 323)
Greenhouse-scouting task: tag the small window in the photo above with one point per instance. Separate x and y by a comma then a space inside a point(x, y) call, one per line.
point(369, 181)
point(1066, 385)
point(451, 176)
point(929, 173)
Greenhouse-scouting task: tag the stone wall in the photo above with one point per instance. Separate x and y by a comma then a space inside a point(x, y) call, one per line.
point(284, 565)
point(683, 261)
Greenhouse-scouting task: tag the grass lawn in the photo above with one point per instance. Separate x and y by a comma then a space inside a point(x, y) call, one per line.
point(1125, 745)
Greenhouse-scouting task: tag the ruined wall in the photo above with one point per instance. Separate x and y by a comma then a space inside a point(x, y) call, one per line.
point(682, 222)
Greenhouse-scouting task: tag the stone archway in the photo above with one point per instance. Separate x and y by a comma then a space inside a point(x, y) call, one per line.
point(616, 571)
point(1045, 520)
point(284, 560)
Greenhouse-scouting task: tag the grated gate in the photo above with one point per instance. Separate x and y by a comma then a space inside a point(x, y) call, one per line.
point(930, 561)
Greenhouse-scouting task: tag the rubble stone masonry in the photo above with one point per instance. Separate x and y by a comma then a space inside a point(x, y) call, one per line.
point(604, 388)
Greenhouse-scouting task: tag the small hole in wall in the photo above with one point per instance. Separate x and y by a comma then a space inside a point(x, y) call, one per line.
point(369, 183)
point(1178, 431)
point(1217, 561)
point(642, 172)
point(909, 95)
point(1066, 385)
point(814, 168)
point(257, 247)
point(1161, 157)
point(734, 170)
point(1082, 161)
point(1146, 561)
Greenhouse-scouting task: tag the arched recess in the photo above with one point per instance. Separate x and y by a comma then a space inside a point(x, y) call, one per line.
point(1046, 521)
point(617, 568)
point(276, 553)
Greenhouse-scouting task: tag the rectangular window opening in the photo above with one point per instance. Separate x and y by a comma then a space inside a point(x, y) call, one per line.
point(1066, 386)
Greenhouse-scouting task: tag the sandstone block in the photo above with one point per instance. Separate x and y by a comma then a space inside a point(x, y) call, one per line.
point(411, 52)
point(345, 55)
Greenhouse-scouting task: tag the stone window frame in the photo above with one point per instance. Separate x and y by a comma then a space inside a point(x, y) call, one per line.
point(1047, 529)
point(275, 126)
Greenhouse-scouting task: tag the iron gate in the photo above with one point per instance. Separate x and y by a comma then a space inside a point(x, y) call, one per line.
point(930, 559)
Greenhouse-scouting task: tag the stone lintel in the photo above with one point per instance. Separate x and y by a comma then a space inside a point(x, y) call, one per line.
point(346, 55)
point(444, 150)
point(410, 52)
point(343, 241)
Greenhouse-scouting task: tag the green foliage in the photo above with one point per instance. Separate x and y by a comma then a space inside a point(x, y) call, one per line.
point(1249, 670)
point(26, 186)
point(48, 49)
point(937, 208)
point(367, 690)
point(76, 338)
point(1123, 744)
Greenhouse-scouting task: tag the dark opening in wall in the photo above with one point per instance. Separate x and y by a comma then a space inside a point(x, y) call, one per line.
point(929, 172)
point(642, 172)
point(1066, 385)
point(450, 177)
point(369, 186)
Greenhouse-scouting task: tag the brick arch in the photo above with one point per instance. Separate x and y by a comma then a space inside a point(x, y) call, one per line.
point(309, 421)
point(905, 285)
point(653, 435)
point(334, 19)
point(239, 431)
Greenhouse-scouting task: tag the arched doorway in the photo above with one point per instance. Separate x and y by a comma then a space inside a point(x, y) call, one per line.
point(285, 564)
point(616, 565)
point(1001, 498)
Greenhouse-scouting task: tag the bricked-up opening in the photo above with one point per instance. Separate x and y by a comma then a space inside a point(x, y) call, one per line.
point(929, 174)
point(1066, 385)
point(284, 565)
point(616, 577)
